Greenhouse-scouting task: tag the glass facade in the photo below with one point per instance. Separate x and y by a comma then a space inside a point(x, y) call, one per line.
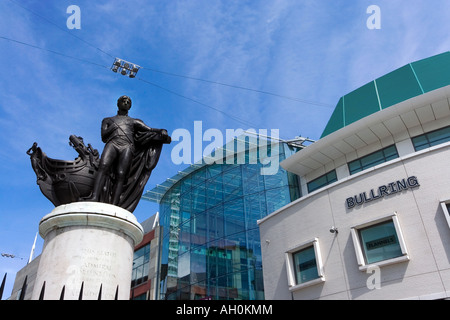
point(210, 237)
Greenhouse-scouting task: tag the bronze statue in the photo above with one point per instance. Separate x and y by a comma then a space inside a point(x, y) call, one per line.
point(131, 152)
point(65, 181)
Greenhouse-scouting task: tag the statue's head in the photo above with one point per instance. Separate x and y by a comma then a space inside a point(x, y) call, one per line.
point(124, 103)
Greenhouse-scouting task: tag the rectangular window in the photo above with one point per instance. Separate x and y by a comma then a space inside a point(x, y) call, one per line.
point(431, 138)
point(304, 265)
point(446, 209)
point(322, 181)
point(379, 242)
point(373, 159)
point(141, 264)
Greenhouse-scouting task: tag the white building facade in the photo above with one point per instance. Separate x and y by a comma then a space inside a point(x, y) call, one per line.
point(373, 221)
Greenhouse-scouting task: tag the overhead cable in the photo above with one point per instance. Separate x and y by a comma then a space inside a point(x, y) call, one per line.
point(72, 34)
point(143, 80)
point(175, 74)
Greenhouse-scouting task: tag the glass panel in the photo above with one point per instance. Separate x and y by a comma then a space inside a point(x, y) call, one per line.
point(213, 170)
point(380, 242)
point(234, 216)
point(232, 183)
point(198, 264)
point(331, 176)
point(215, 223)
point(277, 198)
point(141, 297)
point(147, 253)
point(253, 181)
point(432, 138)
point(214, 193)
point(390, 153)
point(294, 188)
point(305, 265)
point(439, 136)
point(198, 177)
point(185, 207)
point(373, 159)
point(184, 237)
point(255, 209)
point(420, 142)
point(322, 181)
point(199, 229)
point(317, 183)
point(198, 198)
point(140, 265)
point(186, 184)
point(276, 180)
point(354, 166)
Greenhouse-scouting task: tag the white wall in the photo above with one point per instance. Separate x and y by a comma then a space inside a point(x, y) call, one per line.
point(425, 230)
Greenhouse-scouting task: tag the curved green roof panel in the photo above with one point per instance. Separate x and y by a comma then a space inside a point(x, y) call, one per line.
point(404, 83)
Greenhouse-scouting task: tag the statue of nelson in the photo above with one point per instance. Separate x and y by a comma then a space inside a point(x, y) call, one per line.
point(124, 138)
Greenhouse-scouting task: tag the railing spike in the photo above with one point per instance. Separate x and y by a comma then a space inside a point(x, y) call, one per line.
point(61, 297)
point(100, 293)
point(2, 287)
point(24, 289)
point(41, 295)
point(80, 297)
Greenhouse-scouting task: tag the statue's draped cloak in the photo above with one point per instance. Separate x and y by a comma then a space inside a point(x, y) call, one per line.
point(148, 146)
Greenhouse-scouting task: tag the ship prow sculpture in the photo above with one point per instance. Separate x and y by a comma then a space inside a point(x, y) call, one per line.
point(64, 181)
point(131, 152)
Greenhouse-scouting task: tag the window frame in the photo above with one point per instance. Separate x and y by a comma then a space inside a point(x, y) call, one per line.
point(446, 210)
point(429, 142)
point(357, 242)
point(329, 181)
point(384, 159)
point(290, 266)
point(142, 268)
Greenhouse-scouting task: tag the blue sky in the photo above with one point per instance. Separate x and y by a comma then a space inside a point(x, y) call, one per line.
point(312, 51)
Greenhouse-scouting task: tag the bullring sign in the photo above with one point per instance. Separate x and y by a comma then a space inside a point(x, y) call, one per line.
point(382, 191)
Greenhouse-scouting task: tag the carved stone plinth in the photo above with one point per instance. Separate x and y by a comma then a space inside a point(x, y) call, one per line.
point(87, 246)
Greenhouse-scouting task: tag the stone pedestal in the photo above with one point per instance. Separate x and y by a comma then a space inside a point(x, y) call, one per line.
point(87, 244)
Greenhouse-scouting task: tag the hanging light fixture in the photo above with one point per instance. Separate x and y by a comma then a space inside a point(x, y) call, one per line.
point(125, 67)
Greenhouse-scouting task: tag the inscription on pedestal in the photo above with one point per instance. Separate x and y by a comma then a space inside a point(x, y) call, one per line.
point(87, 245)
point(96, 267)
